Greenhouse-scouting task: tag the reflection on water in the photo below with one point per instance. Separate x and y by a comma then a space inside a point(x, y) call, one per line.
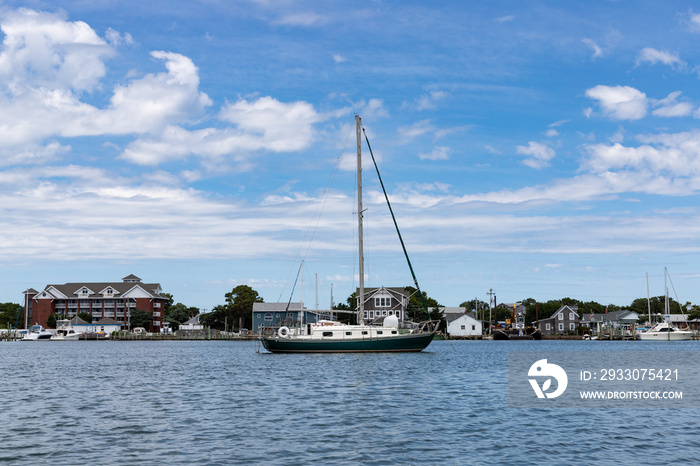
point(221, 402)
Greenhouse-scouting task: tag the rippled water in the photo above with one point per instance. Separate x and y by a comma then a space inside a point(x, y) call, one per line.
point(220, 402)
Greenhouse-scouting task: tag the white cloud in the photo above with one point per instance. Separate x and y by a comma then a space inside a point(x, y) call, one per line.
point(417, 129)
point(47, 63)
point(597, 51)
point(43, 50)
point(262, 124)
point(540, 154)
point(675, 154)
point(338, 58)
point(505, 19)
point(301, 19)
point(670, 107)
point(695, 21)
point(620, 102)
point(429, 101)
point(439, 153)
point(552, 133)
point(116, 39)
point(653, 56)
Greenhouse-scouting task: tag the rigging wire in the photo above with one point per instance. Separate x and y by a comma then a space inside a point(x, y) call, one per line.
point(315, 220)
point(396, 225)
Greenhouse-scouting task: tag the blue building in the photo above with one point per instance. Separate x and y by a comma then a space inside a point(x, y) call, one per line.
point(274, 315)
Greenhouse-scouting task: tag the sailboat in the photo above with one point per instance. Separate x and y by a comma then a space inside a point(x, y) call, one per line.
point(665, 331)
point(329, 336)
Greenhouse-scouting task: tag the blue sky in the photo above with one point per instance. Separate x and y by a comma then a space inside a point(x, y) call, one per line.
point(539, 149)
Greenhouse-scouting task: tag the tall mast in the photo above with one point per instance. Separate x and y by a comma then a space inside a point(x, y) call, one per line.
point(648, 299)
point(361, 297)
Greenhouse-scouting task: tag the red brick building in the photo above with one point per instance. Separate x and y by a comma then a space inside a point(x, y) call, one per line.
point(101, 300)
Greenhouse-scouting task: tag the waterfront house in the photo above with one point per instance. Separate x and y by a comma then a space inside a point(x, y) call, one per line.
point(622, 322)
point(285, 314)
point(191, 324)
point(461, 323)
point(681, 321)
point(101, 300)
point(383, 302)
point(562, 322)
point(106, 325)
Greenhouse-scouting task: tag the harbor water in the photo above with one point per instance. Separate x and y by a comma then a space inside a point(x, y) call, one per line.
point(221, 402)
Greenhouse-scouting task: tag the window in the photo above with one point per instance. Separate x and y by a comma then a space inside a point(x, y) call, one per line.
point(561, 327)
point(371, 314)
point(473, 327)
point(382, 302)
point(561, 316)
point(156, 304)
point(327, 334)
point(464, 327)
point(394, 332)
point(379, 332)
point(572, 316)
point(268, 316)
point(364, 332)
point(348, 333)
point(572, 326)
point(548, 327)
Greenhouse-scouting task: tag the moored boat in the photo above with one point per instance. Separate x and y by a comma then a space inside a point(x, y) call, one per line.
point(334, 337)
point(37, 333)
point(65, 331)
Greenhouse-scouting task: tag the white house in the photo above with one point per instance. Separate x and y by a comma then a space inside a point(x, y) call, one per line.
point(192, 324)
point(105, 325)
point(460, 323)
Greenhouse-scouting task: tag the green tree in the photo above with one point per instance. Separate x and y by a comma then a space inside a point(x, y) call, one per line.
point(344, 317)
point(239, 305)
point(11, 315)
point(415, 309)
point(140, 318)
point(168, 304)
point(86, 316)
point(179, 313)
point(51, 321)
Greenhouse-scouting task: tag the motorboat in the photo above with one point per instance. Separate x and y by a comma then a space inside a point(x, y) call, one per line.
point(65, 332)
point(37, 333)
point(665, 331)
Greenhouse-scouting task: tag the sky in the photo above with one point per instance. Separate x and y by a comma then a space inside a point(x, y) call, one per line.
point(538, 149)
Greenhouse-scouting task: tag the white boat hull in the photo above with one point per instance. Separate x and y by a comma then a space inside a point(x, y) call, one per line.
point(678, 335)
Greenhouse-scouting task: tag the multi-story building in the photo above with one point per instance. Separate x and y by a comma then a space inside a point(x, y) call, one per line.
point(562, 322)
point(383, 302)
point(101, 300)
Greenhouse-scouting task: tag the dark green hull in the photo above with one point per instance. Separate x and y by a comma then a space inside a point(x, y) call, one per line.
point(410, 342)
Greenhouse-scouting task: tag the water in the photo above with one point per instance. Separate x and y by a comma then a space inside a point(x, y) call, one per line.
point(220, 402)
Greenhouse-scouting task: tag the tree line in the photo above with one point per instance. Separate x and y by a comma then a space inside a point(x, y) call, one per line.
point(236, 312)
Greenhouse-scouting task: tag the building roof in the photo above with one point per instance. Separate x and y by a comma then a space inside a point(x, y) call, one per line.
point(78, 321)
point(273, 307)
point(96, 289)
point(107, 321)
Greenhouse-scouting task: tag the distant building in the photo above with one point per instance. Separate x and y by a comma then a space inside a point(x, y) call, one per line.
point(623, 321)
point(113, 300)
point(277, 314)
point(461, 323)
point(191, 324)
point(382, 302)
point(106, 325)
point(563, 321)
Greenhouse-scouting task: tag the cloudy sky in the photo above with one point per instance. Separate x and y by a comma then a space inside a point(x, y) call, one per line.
point(535, 149)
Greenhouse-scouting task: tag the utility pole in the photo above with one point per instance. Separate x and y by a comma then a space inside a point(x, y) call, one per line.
point(491, 295)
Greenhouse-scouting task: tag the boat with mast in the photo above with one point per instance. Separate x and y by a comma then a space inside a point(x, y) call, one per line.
point(664, 331)
point(329, 336)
